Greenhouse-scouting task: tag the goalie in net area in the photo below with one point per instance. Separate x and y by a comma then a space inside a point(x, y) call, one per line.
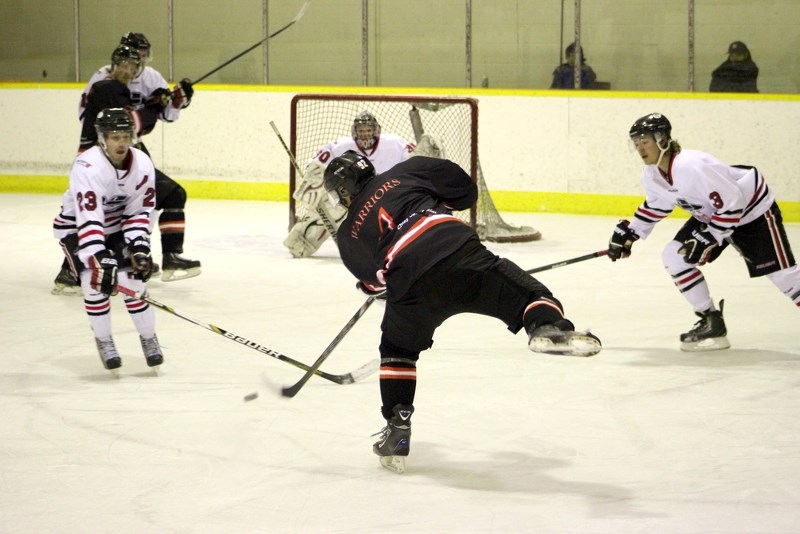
point(317, 217)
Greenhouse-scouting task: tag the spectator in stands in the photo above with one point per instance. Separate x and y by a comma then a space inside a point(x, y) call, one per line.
point(564, 75)
point(738, 74)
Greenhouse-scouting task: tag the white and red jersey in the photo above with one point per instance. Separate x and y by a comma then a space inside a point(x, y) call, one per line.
point(388, 151)
point(719, 195)
point(102, 200)
point(141, 88)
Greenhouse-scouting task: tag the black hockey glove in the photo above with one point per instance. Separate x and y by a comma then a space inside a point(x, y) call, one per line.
point(182, 94)
point(379, 292)
point(619, 246)
point(698, 248)
point(159, 100)
point(103, 270)
point(141, 260)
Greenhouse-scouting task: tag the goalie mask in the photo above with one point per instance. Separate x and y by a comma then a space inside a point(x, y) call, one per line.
point(346, 176)
point(110, 121)
point(366, 131)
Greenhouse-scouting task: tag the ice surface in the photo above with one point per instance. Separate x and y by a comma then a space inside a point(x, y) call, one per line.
point(640, 438)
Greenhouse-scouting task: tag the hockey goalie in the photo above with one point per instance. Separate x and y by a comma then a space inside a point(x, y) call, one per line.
point(317, 218)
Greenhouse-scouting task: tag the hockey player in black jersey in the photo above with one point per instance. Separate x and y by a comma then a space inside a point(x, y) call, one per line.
point(402, 243)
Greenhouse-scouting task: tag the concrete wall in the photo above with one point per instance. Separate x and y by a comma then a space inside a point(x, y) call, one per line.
point(530, 142)
point(636, 45)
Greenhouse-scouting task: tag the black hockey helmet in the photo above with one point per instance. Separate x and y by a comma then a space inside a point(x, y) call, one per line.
point(113, 120)
point(125, 53)
point(135, 40)
point(347, 175)
point(652, 124)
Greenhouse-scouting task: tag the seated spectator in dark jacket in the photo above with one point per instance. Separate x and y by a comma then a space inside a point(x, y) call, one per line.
point(736, 75)
point(564, 75)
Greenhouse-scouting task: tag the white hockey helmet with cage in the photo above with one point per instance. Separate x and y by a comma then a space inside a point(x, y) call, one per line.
point(366, 131)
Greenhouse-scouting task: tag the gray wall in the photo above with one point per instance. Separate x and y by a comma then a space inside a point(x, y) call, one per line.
point(637, 45)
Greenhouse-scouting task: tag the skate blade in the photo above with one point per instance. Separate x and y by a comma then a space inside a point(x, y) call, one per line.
point(114, 373)
point(576, 345)
point(713, 343)
point(395, 464)
point(170, 275)
point(65, 290)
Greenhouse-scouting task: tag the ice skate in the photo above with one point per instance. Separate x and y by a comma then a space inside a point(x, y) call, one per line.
point(65, 284)
point(394, 442)
point(562, 339)
point(176, 267)
point(109, 355)
point(152, 352)
point(708, 333)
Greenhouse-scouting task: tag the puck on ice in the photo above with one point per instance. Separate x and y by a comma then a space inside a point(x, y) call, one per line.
point(251, 396)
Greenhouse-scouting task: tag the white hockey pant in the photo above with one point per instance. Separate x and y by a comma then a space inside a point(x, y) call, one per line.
point(98, 307)
point(692, 284)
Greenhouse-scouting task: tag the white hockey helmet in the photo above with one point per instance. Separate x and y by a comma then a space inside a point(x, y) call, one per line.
point(366, 131)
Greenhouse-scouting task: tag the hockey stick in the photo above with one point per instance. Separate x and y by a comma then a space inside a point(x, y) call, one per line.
point(262, 41)
point(348, 378)
point(291, 391)
point(321, 212)
point(570, 261)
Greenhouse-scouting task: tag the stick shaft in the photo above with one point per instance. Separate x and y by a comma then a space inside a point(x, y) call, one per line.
point(262, 41)
point(230, 335)
point(291, 391)
point(570, 261)
point(326, 221)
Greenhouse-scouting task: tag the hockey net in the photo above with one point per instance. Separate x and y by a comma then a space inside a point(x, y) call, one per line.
point(317, 119)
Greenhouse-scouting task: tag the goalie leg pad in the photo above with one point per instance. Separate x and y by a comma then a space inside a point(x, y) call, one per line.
point(308, 234)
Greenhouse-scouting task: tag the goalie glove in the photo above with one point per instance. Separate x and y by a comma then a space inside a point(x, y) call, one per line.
point(379, 292)
point(103, 272)
point(429, 145)
point(699, 247)
point(619, 246)
point(141, 260)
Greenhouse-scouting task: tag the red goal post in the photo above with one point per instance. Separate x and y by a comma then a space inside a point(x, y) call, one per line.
point(317, 119)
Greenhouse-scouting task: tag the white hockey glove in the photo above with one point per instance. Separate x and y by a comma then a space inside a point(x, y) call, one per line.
point(429, 145)
point(311, 190)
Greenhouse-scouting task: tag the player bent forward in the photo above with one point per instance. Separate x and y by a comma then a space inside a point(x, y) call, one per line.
point(729, 205)
point(399, 237)
point(104, 230)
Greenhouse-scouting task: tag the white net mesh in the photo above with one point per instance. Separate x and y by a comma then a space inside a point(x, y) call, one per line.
point(318, 119)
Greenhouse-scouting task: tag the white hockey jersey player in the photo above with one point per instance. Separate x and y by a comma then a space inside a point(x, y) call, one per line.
point(103, 200)
point(729, 206)
point(386, 152)
point(317, 218)
point(104, 230)
point(718, 195)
